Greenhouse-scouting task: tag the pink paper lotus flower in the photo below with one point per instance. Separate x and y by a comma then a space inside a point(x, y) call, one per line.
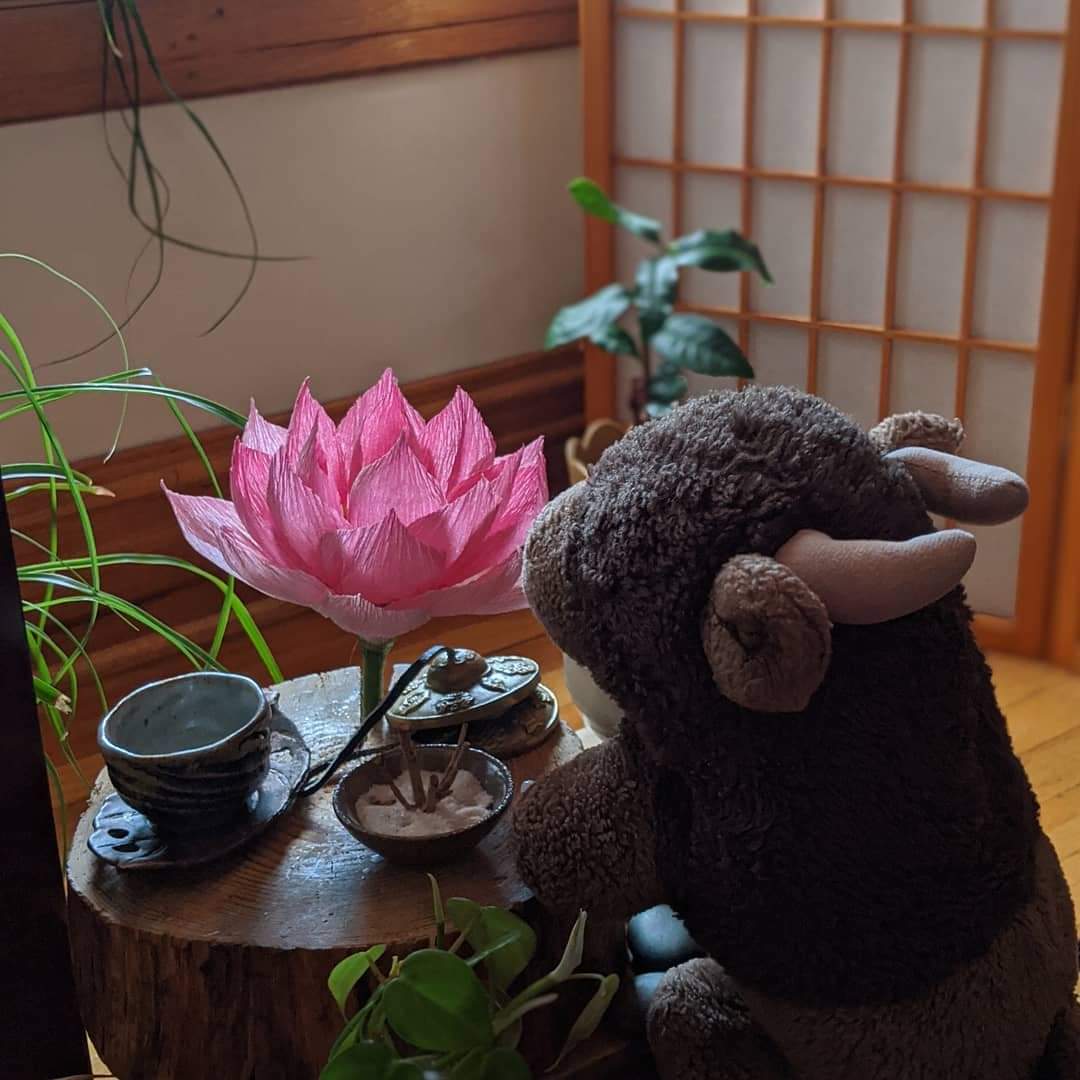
point(379, 522)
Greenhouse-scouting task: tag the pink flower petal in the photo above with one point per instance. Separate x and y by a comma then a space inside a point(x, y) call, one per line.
point(459, 443)
point(380, 562)
point(311, 427)
point(496, 590)
point(260, 434)
point(300, 517)
point(453, 526)
point(201, 519)
point(249, 476)
point(374, 423)
point(363, 619)
point(213, 529)
point(503, 474)
point(319, 466)
point(396, 481)
point(248, 563)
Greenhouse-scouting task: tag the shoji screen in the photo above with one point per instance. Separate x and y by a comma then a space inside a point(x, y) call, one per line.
point(897, 162)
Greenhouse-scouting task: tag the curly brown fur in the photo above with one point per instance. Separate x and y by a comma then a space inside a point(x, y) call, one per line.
point(585, 836)
point(990, 1019)
point(858, 851)
point(699, 1027)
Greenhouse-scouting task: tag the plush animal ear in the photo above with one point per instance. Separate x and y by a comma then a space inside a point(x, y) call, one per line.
point(766, 635)
point(962, 489)
point(917, 429)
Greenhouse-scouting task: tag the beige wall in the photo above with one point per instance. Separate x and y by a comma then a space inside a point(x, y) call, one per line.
point(431, 201)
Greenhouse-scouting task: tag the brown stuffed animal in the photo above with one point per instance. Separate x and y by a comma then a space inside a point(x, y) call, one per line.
point(813, 770)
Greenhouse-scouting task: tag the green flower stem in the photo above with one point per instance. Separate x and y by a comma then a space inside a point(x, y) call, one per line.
point(372, 670)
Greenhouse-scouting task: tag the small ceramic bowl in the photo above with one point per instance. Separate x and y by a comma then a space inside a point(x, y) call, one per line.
point(494, 778)
point(189, 752)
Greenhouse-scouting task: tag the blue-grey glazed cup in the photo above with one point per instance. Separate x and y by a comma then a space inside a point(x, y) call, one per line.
point(189, 752)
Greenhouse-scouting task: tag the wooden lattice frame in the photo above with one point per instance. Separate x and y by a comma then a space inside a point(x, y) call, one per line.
point(1026, 631)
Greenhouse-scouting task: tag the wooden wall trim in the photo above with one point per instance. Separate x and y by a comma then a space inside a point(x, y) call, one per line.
point(53, 51)
point(520, 398)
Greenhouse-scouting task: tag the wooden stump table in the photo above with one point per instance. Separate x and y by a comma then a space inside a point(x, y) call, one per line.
point(219, 971)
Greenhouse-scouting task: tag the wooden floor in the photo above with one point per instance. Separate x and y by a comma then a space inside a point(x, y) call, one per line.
point(1041, 703)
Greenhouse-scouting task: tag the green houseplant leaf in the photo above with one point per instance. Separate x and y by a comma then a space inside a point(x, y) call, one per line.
point(499, 1063)
point(697, 343)
point(350, 971)
point(592, 198)
point(589, 1018)
point(438, 1003)
point(361, 1061)
point(657, 283)
point(591, 318)
point(506, 942)
point(723, 250)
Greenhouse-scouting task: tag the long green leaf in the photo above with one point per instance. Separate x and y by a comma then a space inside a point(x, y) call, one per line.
point(657, 282)
point(184, 397)
point(725, 250)
point(350, 971)
point(591, 316)
point(238, 608)
point(697, 343)
point(589, 1019)
point(593, 200)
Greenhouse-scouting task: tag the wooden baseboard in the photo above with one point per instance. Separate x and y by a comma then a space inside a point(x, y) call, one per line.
point(520, 398)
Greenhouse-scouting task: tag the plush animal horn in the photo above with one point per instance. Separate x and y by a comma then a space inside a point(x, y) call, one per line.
point(872, 581)
point(961, 489)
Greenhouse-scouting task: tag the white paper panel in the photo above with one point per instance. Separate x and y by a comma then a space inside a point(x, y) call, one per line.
point(1025, 83)
point(723, 7)
point(644, 88)
point(853, 255)
point(1033, 14)
point(708, 384)
point(783, 228)
point(930, 262)
point(869, 10)
point(923, 377)
point(949, 12)
point(862, 103)
point(1009, 271)
point(806, 9)
point(715, 65)
point(648, 192)
point(998, 424)
point(849, 374)
point(648, 5)
point(786, 102)
point(710, 202)
point(943, 90)
point(778, 355)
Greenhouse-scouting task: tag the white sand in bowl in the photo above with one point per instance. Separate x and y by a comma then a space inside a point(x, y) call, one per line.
point(466, 803)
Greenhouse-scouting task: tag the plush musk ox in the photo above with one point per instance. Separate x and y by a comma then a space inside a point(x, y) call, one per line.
point(813, 770)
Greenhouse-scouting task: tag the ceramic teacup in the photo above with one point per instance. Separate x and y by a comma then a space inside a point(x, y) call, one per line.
point(189, 752)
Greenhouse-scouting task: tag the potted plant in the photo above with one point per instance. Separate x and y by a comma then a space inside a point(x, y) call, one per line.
point(665, 342)
point(455, 1009)
point(57, 580)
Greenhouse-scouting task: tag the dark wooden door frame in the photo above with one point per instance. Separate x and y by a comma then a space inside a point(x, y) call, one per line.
point(41, 1035)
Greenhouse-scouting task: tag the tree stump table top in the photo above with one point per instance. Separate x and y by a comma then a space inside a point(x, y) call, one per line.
point(247, 941)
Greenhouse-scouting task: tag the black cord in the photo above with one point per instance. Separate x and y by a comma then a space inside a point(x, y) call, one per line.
point(318, 775)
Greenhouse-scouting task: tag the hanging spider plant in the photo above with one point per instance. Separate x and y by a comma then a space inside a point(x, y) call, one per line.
point(127, 58)
point(59, 581)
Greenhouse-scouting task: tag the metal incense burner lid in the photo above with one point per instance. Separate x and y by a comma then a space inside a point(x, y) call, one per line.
point(461, 686)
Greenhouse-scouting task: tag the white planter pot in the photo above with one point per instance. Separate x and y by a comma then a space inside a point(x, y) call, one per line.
point(600, 712)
